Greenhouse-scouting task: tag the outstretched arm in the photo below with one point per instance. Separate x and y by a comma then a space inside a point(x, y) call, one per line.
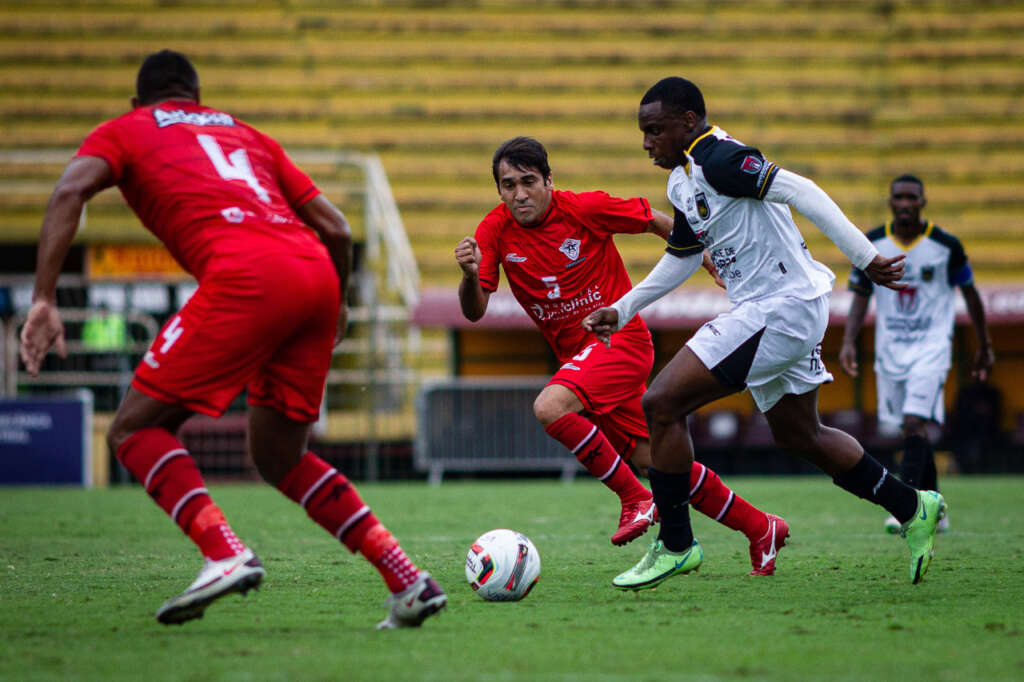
point(984, 356)
point(472, 297)
point(670, 272)
point(82, 178)
point(812, 201)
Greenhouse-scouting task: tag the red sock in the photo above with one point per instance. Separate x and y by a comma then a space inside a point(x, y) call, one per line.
point(590, 446)
point(171, 478)
point(711, 497)
point(333, 502)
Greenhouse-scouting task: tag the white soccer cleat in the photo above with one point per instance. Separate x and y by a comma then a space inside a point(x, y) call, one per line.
point(239, 573)
point(408, 609)
point(891, 525)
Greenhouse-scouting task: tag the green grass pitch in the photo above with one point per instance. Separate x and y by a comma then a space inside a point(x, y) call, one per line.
point(83, 571)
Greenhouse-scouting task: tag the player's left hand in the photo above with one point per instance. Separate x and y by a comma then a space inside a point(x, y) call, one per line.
point(886, 271)
point(984, 358)
point(602, 322)
point(709, 265)
point(43, 329)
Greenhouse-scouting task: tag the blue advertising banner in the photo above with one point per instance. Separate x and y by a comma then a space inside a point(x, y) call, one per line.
point(46, 440)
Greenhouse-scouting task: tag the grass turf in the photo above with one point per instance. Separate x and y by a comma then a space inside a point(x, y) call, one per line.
point(83, 571)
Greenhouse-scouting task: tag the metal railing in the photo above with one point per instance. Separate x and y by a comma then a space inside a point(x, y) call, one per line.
point(371, 373)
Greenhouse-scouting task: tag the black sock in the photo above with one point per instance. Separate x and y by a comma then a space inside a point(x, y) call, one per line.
point(672, 495)
point(870, 480)
point(918, 466)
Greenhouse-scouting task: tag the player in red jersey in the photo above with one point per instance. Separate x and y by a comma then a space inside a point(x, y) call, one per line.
point(558, 254)
point(272, 257)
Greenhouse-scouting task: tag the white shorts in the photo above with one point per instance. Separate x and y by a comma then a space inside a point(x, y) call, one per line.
point(921, 395)
point(771, 346)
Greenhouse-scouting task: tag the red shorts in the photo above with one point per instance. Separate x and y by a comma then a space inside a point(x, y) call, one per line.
point(610, 382)
point(267, 325)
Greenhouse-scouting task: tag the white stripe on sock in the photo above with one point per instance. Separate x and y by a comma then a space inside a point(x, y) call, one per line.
point(352, 520)
point(610, 471)
point(184, 499)
point(700, 479)
point(579, 446)
point(169, 455)
point(725, 507)
point(316, 486)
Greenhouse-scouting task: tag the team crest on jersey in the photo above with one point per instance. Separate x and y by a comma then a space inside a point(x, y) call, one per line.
point(571, 248)
point(703, 210)
point(928, 273)
point(907, 301)
point(751, 165)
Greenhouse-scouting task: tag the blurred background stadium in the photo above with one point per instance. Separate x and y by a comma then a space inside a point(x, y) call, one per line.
point(395, 109)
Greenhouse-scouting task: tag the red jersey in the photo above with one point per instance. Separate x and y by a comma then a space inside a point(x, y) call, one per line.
point(210, 187)
point(565, 266)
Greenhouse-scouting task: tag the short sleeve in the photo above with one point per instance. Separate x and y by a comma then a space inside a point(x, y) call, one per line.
point(682, 241)
point(104, 142)
point(739, 171)
point(611, 214)
point(960, 273)
point(489, 276)
point(296, 186)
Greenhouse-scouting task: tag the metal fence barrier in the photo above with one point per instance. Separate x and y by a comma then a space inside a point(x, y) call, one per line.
point(478, 425)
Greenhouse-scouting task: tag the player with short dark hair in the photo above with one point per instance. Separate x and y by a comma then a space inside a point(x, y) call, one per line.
point(914, 329)
point(557, 251)
point(272, 257)
point(730, 200)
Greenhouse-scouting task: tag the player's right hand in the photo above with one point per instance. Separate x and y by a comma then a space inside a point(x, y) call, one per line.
point(887, 271)
point(467, 254)
point(848, 359)
point(43, 329)
point(602, 322)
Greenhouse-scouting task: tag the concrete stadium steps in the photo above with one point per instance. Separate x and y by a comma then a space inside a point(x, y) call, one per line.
point(848, 95)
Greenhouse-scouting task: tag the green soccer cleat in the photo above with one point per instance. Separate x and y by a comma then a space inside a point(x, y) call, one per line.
point(920, 532)
point(658, 565)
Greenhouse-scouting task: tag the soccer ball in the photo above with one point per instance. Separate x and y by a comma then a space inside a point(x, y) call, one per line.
point(502, 565)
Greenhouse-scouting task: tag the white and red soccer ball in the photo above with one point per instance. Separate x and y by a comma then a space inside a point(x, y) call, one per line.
point(502, 565)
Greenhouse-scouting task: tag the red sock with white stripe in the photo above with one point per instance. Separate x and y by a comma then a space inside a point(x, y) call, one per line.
point(590, 446)
point(714, 499)
point(172, 479)
point(333, 502)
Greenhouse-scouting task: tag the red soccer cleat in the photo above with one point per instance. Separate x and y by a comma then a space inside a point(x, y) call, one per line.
point(764, 550)
point(636, 517)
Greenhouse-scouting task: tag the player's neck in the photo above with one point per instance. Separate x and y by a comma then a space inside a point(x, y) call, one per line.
point(907, 232)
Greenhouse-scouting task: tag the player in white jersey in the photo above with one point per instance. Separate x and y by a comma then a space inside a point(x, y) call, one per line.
point(914, 329)
point(729, 199)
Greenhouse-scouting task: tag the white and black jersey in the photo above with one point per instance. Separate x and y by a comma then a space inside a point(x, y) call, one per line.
point(914, 326)
point(720, 199)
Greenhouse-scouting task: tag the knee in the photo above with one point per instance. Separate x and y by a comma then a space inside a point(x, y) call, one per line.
point(548, 410)
point(117, 434)
point(660, 409)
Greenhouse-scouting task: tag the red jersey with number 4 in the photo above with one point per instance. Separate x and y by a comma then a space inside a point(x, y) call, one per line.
point(566, 266)
point(210, 187)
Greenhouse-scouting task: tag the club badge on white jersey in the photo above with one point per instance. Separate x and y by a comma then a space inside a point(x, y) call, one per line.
point(719, 200)
point(914, 326)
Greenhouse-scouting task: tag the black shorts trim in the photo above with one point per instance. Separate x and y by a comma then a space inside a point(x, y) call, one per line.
point(734, 368)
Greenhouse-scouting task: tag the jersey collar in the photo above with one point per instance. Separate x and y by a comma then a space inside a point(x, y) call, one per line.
point(917, 240)
point(686, 161)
